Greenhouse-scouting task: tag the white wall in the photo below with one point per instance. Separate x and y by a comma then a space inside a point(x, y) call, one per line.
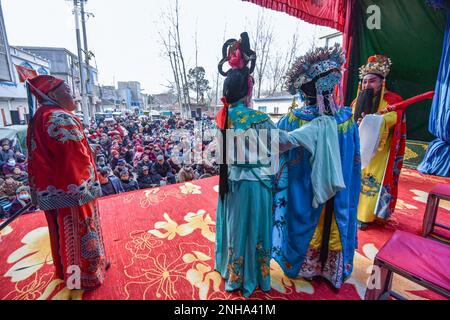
point(282, 105)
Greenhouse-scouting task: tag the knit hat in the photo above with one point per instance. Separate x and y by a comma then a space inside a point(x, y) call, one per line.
point(105, 171)
point(23, 188)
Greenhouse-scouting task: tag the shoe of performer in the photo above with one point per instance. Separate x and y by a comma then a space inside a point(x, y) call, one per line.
point(381, 222)
point(108, 265)
point(362, 226)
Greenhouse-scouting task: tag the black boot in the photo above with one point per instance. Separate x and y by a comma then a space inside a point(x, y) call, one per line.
point(362, 226)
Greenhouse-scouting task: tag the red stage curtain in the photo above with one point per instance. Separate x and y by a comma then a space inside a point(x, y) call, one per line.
point(348, 39)
point(328, 13)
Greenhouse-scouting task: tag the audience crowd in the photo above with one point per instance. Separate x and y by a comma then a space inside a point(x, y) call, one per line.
point(132, 152)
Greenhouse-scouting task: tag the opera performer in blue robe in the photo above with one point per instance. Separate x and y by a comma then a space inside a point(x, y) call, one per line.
point(311, 240)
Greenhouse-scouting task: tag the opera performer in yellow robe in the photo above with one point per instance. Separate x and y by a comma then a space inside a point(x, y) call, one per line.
point(383, 142)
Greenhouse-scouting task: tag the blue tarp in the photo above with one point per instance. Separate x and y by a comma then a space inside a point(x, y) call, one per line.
point(437, 159)
point(17, 134)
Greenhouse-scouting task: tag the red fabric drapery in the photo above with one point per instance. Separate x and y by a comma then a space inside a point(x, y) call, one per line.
point(328, 13)
point(348, 38)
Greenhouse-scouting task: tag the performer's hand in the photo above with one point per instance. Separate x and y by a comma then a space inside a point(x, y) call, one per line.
point(361, 119)
point(384, 111)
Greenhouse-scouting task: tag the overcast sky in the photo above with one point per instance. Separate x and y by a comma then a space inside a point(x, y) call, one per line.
point(124, 34)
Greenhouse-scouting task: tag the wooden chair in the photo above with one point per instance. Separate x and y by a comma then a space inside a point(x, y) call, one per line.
point(440, 192)
point(421, 260)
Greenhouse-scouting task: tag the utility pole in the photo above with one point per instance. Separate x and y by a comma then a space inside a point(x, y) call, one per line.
point(84, 102)
point(87, 57)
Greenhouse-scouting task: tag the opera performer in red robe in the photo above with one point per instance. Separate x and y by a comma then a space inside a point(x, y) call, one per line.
point(64, 183)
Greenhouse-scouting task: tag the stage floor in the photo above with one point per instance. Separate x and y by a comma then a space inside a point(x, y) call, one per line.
point(161, 246)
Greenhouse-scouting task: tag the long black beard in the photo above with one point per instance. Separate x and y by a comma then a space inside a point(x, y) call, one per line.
point(367, 103)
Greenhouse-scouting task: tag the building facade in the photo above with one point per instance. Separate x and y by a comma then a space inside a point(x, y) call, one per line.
point(131, 93)
point(109, 98)
point(329, 37)
point(164, 102)
point(13, 95)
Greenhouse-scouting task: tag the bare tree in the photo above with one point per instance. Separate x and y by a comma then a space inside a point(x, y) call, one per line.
point(313, 39)
point(196, 60)
point(280, 63)
point(210, 94)
point(176, 24)
point(173, 51)
point(168, 52)
point(213, 95)
point(262, 42)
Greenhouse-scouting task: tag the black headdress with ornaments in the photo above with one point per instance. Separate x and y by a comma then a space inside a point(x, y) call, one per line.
point(237, 85)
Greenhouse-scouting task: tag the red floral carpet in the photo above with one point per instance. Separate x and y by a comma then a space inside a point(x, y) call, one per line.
point(161, 246)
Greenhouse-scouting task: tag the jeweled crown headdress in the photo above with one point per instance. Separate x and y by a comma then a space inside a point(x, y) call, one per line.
point(312, 65)
point(377, 64)
point(321, 66)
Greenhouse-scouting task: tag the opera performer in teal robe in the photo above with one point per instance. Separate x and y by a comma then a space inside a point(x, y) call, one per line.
point(311, 240)
point(245, 207)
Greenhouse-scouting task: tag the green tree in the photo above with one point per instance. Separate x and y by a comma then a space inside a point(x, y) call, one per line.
point(197, 82)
